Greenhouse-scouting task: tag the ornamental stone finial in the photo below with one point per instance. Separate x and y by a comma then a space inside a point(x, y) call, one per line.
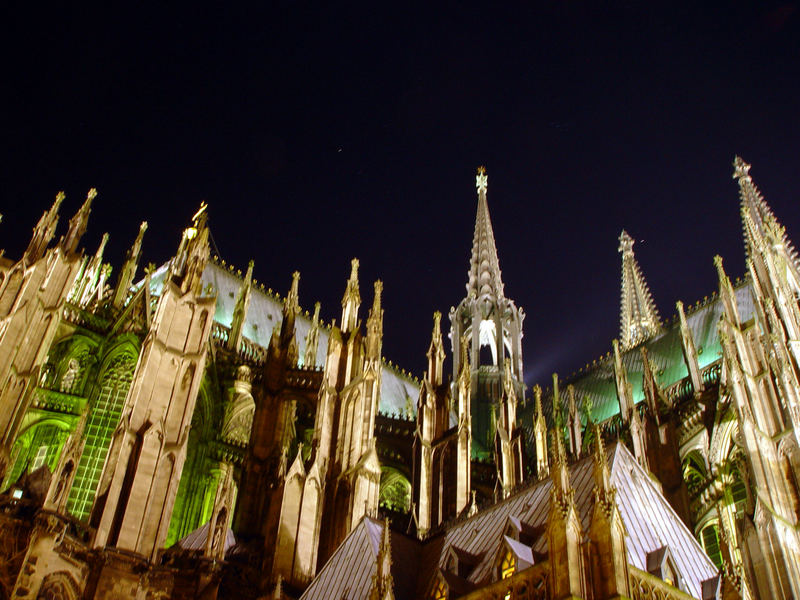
point(481, 180)
point(625, 242)
point(741, 169)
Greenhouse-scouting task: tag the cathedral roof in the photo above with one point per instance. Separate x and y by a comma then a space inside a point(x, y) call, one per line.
point(596, 381)
point(649, 520)
point(196, 540)
point(398, 391)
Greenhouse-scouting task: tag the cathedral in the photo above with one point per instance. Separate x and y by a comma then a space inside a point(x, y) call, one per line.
point(183, 431)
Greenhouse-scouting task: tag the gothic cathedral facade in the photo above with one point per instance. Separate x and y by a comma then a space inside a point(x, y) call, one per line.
point(188, 433)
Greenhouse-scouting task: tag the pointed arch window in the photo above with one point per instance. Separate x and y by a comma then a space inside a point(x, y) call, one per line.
point(103, 418)
point(710, 540)
point(508, 565)
point(439, 590)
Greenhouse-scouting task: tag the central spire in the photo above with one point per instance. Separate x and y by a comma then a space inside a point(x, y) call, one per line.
point(484, 268)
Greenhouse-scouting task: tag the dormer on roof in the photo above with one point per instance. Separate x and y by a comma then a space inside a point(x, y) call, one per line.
point(462, 563)
point(512, 557)
point(520, 531)
point(661, 564)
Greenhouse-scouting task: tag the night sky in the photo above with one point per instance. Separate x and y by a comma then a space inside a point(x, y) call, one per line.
point(319, 134)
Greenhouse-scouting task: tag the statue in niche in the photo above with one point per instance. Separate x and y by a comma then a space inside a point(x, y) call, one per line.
point(70, 375)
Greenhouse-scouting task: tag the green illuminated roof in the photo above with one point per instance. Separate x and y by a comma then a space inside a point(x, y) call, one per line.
point(596, 382)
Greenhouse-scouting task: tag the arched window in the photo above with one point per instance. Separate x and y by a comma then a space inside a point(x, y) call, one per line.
point(395, 490)
point(37, 446)
point(439, 591)
point(508, 565)
point(709, 537)
point(694, 471)
point(102, 420)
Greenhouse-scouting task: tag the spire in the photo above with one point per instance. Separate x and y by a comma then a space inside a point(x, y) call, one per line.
point(652, 392)
point(128, 271)
point(558, 412)
point(78, 223)
point(726, 292)
point(689, 350)
point(186, 268)
point(602, 476)
point(240, 310)
point(436, 351)
point(312, 340)
point(351, 300)
point(484, 268)
point(382, 583)
point(91, 280)
point(44, 231)
point(291, 307)
point(761, 228)
point(540, 435)
point(639, 319)
point(292, 300)
point(624, 391)
point(375, 324)
point(560, 472)
point(574, 424)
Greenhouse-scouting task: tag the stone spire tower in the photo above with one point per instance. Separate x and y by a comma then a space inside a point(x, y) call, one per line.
point(760, 359)
point(639, 320)
point(491, 325)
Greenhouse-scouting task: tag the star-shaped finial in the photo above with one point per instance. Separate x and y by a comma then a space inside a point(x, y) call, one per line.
point(741, 170)
point(625, 242)
point(481, 179)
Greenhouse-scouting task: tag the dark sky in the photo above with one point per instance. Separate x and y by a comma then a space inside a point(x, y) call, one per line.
point(319, 134)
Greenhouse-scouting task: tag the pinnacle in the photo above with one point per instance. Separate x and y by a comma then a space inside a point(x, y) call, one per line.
point(639, 318)
point(484, 272)
point(761, 228)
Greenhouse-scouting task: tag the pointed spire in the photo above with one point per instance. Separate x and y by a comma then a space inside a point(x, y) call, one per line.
point(726, 293)
point(624, 390)
point(44, 231)
point(382, 582)
point(653, 395)
point(286, 336)
point(574, 424)
point(78, 223)
point(351, 300)
point(484, 268)
point(292, 300)
point(375, 324)
point(436, 352)
point(128, 272)
point(602, 476)
point(558, 411)
point(761, 228)
point(312, 340)
point(540, 435)
point(639, 319)
point(240, 309)
point(560, 472)
point(186, 268)
point(689, 350)
point(91, 280)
